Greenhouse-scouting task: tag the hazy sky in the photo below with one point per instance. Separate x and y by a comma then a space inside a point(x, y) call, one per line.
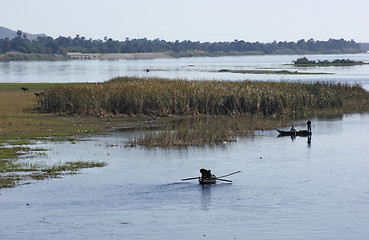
point(195, 20)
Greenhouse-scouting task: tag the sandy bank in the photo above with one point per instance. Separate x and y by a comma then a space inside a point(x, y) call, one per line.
point(118, 55)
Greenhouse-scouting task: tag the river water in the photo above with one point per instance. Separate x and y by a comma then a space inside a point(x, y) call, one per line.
point(204, 68)
point(287, 189)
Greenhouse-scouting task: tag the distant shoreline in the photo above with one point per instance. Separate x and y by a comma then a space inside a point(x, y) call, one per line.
point(112, 56)
point(18, 56)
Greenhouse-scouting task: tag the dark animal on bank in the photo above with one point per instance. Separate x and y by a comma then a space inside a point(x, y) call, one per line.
point(25, 89)
point(38, 94)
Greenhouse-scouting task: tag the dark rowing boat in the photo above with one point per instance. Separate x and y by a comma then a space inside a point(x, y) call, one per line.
point(294, 133)
point(208, 178)
point(207, 181)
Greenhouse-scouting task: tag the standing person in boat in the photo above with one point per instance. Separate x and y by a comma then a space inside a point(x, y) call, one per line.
point(293, 129)
point(309, 125)
point(205, 174)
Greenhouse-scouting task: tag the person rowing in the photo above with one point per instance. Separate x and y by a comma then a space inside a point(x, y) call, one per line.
point(205, 174)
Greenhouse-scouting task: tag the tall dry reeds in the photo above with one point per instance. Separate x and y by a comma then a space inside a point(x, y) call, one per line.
point(163, 97)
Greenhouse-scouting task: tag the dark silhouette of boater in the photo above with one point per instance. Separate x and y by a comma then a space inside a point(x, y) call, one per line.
point(205, 174)
point(309, 126)
point(293, 129)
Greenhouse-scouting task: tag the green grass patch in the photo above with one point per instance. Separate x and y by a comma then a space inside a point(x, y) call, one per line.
point(12, 152)
point(13, 173)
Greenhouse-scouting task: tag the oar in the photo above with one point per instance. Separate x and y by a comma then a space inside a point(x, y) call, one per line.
point(230, 174)
point(225, 180)
point(192, 178)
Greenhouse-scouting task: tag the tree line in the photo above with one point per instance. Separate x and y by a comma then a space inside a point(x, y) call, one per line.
point(62, 45)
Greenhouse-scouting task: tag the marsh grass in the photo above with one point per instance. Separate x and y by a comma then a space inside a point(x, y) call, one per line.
point(163, 97)
point(226, 109)
point(206, 130)
point(13, 172)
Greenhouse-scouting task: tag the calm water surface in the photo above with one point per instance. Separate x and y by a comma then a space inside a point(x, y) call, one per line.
point(204, 68)
point(288, 189)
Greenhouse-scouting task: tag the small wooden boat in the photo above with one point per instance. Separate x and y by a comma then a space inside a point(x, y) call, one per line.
point(207, 181)
point(294, 133)
point(210, 179)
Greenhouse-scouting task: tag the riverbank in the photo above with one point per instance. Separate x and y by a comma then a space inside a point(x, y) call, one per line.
point(21, 125)
point(17, 56)
point(115, 56)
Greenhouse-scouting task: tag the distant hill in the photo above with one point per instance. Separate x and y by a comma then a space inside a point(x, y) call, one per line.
point(8, 33)
point(364, 46)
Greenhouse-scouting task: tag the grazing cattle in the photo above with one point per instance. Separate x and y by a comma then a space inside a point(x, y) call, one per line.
point(37, 94)
point(25, 89)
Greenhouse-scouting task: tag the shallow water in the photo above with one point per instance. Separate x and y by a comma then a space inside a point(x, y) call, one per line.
point(288, 189)
point(204, 68)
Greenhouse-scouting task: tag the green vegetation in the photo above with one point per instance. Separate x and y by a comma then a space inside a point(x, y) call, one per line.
point(206, 130)
point(62, 45)
point(13, 172)
point(304, 62)
point(163, 97)
point(21, 124)
point(284, 72)
point(188, 113)
point(220, 110)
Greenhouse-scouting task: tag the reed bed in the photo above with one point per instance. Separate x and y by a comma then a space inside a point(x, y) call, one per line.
point(164, 97)
point(219, 110)
point(200, 131)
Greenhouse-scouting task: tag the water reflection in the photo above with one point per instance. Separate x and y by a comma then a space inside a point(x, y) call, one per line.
point(309, 141)
point(206, 196)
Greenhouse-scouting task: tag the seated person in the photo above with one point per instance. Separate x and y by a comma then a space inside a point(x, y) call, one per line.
point(206, 174)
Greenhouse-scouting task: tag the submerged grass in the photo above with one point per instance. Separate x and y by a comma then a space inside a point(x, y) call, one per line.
point(206, 131)
point(13, 173)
